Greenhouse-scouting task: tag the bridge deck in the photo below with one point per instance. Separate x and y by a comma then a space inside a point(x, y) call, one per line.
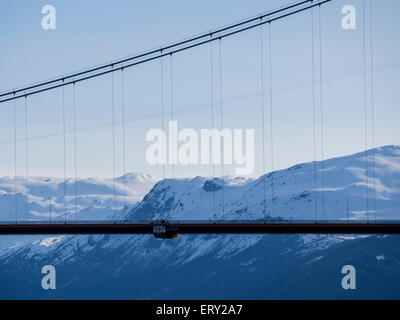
point(202, 228)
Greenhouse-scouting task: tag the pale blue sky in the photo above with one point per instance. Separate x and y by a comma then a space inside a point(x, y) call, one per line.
point(93, 32)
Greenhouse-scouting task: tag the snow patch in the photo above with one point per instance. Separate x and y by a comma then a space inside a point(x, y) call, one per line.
point(47, 242)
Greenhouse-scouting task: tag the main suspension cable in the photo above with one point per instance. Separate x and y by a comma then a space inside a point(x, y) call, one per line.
point(216, 33)
point(153, 51)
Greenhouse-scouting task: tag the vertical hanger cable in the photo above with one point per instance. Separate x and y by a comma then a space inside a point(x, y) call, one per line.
point(15, 162)
point(271, 119)
point(313, 106)
point(162, 112)
point(172, 118)
point(26, 158)
point(75, 155)
point(365, 110)
point(263, 120)
point(212, 111)
point(372, 106)
point(64, 155)
point(123, 132)
point(221, 124)
point(113, 141)
point(322, 114)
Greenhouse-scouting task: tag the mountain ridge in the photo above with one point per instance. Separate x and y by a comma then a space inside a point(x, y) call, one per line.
point(224, 266)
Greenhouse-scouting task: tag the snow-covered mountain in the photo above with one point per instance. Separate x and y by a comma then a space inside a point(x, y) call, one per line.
point(87, 199)
point(346, 192)
point(226, 266)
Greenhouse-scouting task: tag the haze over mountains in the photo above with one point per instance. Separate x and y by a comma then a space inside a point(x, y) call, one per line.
point(94, 198)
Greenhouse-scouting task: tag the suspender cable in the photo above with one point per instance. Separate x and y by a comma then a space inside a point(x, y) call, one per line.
point(162, 111)
point(313, 106)
point(65, 154)
point(15, 162)
point(271, 119)
point(75, 155)
point(26, 159)
point(172, 118)
point(212, 111)
point(113, 140)
point(372, 105)
point(365, 109)
point(263, 119)
point(123, 132)
point(322, 114)
point(221, 125)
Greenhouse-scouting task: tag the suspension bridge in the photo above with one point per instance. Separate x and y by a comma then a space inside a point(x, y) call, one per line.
point(170, 229)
